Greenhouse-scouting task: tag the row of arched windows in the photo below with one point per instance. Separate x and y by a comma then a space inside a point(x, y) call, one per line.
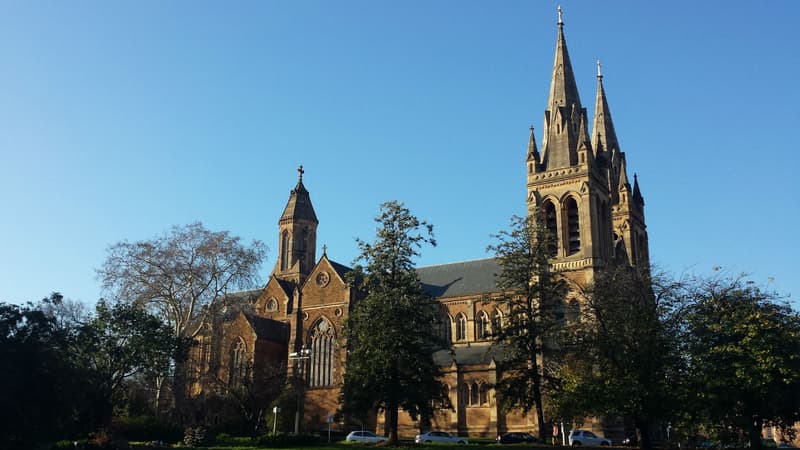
point(474, 394)
point(483, 326)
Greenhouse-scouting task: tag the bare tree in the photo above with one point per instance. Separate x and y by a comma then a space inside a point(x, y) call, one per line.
point(250, 389)
point(183, 276)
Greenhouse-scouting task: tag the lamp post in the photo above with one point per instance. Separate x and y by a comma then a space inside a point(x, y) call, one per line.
point(300, 359)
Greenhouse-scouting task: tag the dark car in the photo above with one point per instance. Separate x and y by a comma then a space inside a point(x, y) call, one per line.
point(515, 438)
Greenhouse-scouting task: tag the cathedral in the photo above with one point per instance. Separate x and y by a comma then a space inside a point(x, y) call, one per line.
point(577, 178)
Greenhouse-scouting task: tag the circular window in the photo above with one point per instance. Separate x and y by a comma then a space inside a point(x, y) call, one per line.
point(323, 279)
point(337, 312)
point(305, 315)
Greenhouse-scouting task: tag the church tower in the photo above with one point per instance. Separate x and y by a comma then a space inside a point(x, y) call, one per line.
point(297, 235)
point(567, 183)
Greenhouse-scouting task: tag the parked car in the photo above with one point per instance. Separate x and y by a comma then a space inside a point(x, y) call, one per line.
point(585, 437)
point(439, 436)
point(785, 445)
point(515, 438)
point(364, 436)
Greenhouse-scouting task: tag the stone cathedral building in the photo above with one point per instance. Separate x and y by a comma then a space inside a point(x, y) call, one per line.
point(577, 177)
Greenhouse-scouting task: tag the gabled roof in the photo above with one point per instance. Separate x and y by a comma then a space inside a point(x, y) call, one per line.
point(467, 356)
point(461, 278)
point(268, 329)
point(247, 297)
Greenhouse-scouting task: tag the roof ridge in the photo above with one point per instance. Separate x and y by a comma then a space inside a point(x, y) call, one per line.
point(458, 262)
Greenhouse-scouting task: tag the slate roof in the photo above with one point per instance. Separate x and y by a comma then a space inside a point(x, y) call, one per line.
point(461, 278)
point(467, 356)
point(268, 329)
point(341, 269)
point(243, 297)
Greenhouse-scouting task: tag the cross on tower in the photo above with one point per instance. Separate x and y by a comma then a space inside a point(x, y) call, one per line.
point(560, 19)
point(324, 249)
point(301, 171)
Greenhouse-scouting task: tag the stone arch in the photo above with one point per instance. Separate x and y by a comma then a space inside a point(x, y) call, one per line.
point(482, 326)
point(571, 212)
point(237, 361)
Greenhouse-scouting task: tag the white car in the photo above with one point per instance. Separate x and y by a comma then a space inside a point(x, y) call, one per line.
point(365, 436)
point(584, 437)
point(439, 436)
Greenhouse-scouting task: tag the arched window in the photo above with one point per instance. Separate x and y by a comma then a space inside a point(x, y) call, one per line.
point(484, 394)
point(447, 328)
point(461, 327)
point(482, 326)
point(321, 357)
point(285, 251)
point(574, 311)
point(549, 212)
point(573, 226)
point(237, 368)
point(272, 305)
point(475, 396)
point(497, 322)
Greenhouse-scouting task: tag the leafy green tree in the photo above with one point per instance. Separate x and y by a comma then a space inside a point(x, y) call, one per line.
point(622, 353)
point(120, 341)
point(45, 397)
point(534, 297)
point(743, 346)
point(391, 332)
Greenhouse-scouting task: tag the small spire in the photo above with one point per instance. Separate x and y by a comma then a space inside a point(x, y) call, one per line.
point(560, 17)
point(533, 151)
point(599, 72)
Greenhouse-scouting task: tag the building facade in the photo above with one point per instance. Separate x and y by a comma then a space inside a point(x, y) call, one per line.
point(578, 180)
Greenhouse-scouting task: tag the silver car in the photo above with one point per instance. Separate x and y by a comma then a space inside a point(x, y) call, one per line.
point(585, 437)
point(365, 436)
point(439, 436)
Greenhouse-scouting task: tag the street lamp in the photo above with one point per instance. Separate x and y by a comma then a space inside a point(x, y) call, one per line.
point(299, 357)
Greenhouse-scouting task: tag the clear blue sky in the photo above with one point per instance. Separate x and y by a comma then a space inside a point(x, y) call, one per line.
point(120, 119)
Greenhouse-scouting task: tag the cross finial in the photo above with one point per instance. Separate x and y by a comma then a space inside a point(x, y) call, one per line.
point(560, 18)
point(300, 171)
point(324, 249)
point(531, 127)
point(599, 66)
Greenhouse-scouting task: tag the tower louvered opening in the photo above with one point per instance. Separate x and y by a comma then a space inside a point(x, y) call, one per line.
point(573, 227)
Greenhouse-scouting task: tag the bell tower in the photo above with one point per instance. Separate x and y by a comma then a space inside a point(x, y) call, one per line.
point(297, 235)
point(568, 180)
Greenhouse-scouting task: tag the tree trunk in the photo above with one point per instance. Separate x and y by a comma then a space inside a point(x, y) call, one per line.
point(754, 433)
point(537, 399)
point(644, 434)
point(391, 421)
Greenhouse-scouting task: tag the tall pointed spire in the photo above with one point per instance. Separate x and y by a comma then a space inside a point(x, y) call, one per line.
point(563, 114)
point(603, 135)
point(563, 89)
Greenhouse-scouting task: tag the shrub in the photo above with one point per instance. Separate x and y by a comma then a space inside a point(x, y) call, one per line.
point(194, 436)
point(146, 428)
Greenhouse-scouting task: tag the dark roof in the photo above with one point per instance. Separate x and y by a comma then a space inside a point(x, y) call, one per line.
point(234, 299)
point(467, 356)
point(340, 269)
point(271, 330)
point(461, 278)
point(286, 285)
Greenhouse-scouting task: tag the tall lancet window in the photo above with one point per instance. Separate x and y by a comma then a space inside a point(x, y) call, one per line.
point(285, 250)
point(238, 364)
point(549, 212)
point(322, 345)
point(461, 327)
point(573, 226)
